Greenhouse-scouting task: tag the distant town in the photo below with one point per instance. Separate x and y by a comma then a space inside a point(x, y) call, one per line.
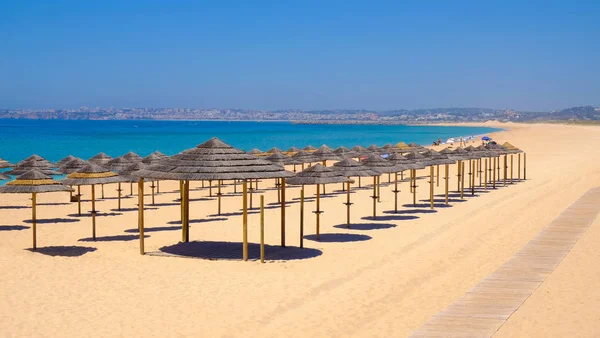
point(419, 116)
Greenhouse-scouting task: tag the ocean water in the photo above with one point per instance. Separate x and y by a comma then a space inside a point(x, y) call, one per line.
point(54, 139)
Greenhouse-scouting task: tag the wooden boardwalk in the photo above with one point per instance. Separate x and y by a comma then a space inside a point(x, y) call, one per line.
point(486, 307)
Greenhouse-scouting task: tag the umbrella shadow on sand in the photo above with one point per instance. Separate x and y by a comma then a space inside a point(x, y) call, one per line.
point(12, 227)
point(410, 211)
point(117, 238)
point(338, 238)
point(63, 251)
point(233, 250)
point(390, 218)
point(366, 226)
point(53, 220)
point(154, 229)
point(203, 220)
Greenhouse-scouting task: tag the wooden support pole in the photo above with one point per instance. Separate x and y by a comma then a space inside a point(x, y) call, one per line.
point(130, 188)
point(278, 186)
point(479, 171)
point(470, 173)
point(186, 191)
point(511, 168)
point(505, 168)
point(524, 166)
point(494, 174)
point(462, 181)
point(431, 186)
point(251, 190)
point(283, 212)
point(119, 196)
point(262, 228)
point(141, 214)
point(437, 181)
point(152, 186)
point(348, 204)
point(93, 212)
point(219, 197)
point(396, 191)
point(485, 175)
point(378, 189)
point(414, 180)
point(374, 197)
point(359, 185)
point(458, 176)
point(245, 220)
point(446, 179)
point(102, 188)
point(34, 219)
point(473, 165)
point(158, 187)
point(235, 186)
point(389, 177)
point(302, 217)
point(318, 212)
point(79, 200)
point(519, 166)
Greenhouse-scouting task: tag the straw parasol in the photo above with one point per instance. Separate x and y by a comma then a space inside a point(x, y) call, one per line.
point(324, 153)
point(344, 152)
point(38, 159)
point(132, 157)
point(116, 165)
point(350, 168)
point(460, 155)
point(316, 175)
point(279, 159)
point(435, 158)
point(100, 159)
point(72, 166)
point(274, 150)
point(92, 174)
point(159, 154)
point(302, 157)
point(405, 164)
point(310, 148)
point(256, 152)
point(24, 166)
point(4, 177)
point(360, 150)
point(33, 182)
point(292, 150)
point(153, 159)
point(374, 148)
point(213, 160)
point(514, 150)
point(64, 161)
point(380, 166)
point(5, 164)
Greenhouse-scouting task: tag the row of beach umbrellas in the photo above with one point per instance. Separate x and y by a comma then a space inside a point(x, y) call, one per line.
point(216, 160)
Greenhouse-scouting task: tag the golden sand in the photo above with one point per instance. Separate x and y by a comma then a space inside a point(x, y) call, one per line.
point(380, 278)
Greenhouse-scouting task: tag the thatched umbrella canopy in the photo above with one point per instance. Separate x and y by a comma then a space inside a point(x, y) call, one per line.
point(33, 182)
point(416, 147)
point(72, 166)
point(92, 174)
point(215, 160)
point(256, 152)
point(344, 152)
point(5, 164)
point(4, 177)
point(279, 159)
point(22, 167)
point(151, 159)
point(324, 146)
point(274, 150)
point(132, 157)
point(100, 159)
point(514, 150)
point(64, 161)
point(310, 148)
point(42, 162)
point(380, 166)
point(324, 153)
point(350, 168)
point(159, 154)
point(360, 150)
point(374, 148)
point(317, 175)
point(117, 165)
point(302, 157)
point(293, 150)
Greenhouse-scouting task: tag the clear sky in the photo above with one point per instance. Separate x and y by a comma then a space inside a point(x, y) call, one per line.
point(527, 55)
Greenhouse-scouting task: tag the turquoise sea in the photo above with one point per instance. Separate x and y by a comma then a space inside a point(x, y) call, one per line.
point(55, 139)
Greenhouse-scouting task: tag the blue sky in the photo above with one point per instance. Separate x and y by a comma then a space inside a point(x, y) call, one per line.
point(528, 55)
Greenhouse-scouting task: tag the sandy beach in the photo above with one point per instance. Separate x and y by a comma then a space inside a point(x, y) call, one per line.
point(380, 278)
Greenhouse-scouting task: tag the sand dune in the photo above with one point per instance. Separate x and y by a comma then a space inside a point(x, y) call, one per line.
point(380, 278)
